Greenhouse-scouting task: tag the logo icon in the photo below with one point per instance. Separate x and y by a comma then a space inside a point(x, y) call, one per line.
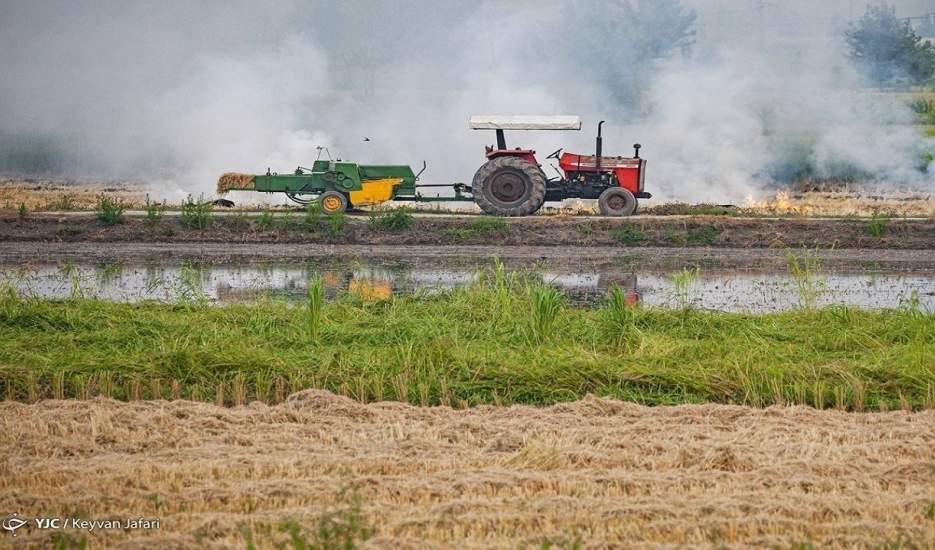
point(12, 522)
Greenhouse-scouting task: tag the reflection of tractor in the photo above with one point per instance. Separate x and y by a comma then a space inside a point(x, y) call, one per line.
point(512, 183)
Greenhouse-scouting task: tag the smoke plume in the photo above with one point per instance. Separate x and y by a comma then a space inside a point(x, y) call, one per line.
point(752, 95)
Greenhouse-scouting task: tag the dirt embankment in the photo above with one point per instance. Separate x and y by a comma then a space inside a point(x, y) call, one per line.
point(711, 231)
point(606, 473)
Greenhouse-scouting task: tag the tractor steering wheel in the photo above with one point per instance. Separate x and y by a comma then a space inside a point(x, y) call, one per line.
point(555, 154)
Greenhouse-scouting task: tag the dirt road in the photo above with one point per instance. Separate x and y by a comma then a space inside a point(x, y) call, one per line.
point(605, 473)
point(671, 232)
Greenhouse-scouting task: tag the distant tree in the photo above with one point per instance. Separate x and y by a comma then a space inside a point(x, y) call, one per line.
point(888, 51)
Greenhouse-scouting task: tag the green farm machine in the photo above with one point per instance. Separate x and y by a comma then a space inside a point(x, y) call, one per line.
point(510, 183)
point(335, 185)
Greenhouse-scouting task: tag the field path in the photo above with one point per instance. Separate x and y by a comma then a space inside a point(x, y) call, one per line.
point(607, 473)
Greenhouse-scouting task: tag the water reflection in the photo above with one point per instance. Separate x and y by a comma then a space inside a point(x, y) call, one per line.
point(733, 291)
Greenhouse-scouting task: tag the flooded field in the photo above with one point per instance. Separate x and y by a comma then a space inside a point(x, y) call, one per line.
point(741, 290)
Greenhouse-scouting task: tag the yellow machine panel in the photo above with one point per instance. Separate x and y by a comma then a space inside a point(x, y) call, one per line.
point(374, 191)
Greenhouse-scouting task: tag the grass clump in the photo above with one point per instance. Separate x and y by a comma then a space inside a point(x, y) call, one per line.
point(336, 223)
point(701, 234)
point(266, 219)
point(21, 211)
point(501, 341)
point(683, 287)
point(64, 203)
point(546, 305)
point(154, 213)
point(809, 284)
point(877, 226)
point(109, 210)
point(629, 233)
point(621, 318)
point(312, 216)
point(316, 299)
point(481, 226)
point(395, 220)
point(673, 237)
point(195, 214)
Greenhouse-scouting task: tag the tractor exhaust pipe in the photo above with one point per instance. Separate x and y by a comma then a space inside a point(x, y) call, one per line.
point(599, 147)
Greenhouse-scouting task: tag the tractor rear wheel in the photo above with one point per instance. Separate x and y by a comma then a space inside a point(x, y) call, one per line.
point(509, 186)
point(617, 201)
point(332, 202)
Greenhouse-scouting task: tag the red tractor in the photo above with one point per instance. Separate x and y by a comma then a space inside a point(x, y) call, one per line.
point(512, 183)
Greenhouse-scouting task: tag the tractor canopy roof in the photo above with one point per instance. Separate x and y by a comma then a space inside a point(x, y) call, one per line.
point(525, 122)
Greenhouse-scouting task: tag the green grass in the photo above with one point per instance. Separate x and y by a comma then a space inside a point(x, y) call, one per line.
point(503, 340)
point(265, 220)
point(877, 226)
point(481, 226)
point(195, 214)
point(154, 213)
point(628, 233)
point(336, 223)
point(109, 210)
point(701, 234)
point(704, 209)
point(396, 219)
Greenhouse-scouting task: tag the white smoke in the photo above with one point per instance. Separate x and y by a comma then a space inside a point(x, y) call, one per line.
point(177, 95)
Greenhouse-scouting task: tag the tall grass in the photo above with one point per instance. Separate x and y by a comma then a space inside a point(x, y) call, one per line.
point(395, 219)
point(266, 218)
point(109, 210)
point(546, 305)
point(481, 226)
point(621, 319)
point(809, 284)
point(195, 214)
point(312, 215)
point(316, 300)
point(683, 286)
point(154, 212)
point(336, 223)
point(500, 341)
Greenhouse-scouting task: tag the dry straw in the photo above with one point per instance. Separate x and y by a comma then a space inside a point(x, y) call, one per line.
point(235, 180)
point(605, 473)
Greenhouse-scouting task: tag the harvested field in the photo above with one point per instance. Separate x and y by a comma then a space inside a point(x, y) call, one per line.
point(599, 472)
point(57, 195)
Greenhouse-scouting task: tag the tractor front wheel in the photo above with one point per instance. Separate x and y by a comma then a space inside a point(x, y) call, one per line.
point(617, 201)
point(509, 186)
point(332, 202)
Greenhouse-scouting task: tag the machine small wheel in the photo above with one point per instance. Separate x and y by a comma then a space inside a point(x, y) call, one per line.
point(332, 202)
point(617, 201)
